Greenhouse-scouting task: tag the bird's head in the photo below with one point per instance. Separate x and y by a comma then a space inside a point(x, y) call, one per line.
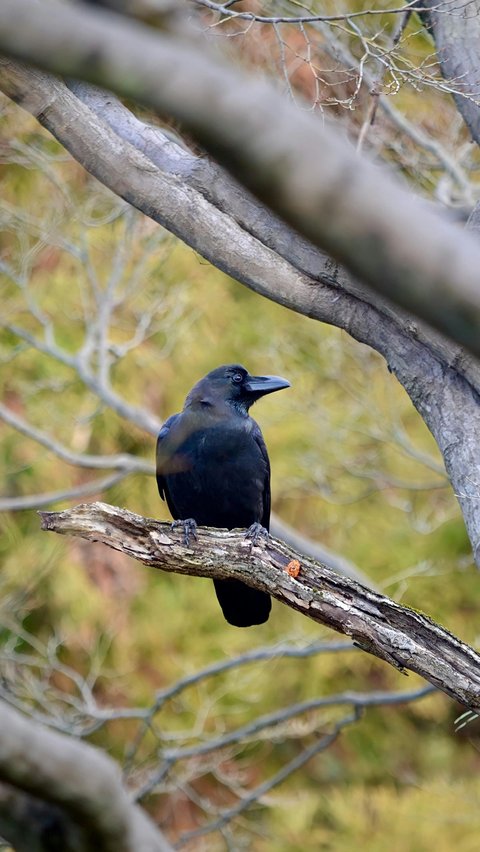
point(233, 384)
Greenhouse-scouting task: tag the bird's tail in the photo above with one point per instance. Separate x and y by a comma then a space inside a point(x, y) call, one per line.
point(241, 605)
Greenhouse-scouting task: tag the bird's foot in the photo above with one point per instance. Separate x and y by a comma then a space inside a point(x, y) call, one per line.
point(256, 532)
point(189, 526)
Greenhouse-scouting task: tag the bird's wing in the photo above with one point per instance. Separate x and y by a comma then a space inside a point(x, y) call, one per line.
point(162, 435)
point(258, 437)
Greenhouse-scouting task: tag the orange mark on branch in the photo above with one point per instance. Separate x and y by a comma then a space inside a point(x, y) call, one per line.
point(293, 568)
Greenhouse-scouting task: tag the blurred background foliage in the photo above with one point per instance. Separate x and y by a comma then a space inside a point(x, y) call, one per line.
point(353, 466)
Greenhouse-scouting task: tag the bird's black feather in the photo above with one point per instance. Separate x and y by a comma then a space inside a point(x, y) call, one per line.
point(213, 466)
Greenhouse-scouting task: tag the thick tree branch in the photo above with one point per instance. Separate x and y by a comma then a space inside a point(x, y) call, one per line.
point(396, 634)
point(193, 197)
point(31, 825)
point(456, 31)
point(311, 178)
point(77, 778)
point(309, 282)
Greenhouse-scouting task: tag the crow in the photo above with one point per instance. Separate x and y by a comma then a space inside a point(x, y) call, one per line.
point(213, 470)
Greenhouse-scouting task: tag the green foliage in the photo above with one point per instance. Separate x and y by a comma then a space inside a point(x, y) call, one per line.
point(441, 815)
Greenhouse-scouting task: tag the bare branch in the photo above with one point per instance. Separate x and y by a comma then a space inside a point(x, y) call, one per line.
point(36, 501)
point(419, 135)
point(272, 725)
point(221, 667)
point(125, 462)
point(178, 758)
point(223, 9)
point(143, 418)
point(256, 794)
point(400, 636)
point(432, 265)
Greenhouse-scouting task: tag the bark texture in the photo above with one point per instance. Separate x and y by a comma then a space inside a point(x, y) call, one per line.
point(311, 178)
point(402, 637)
point(455, 28)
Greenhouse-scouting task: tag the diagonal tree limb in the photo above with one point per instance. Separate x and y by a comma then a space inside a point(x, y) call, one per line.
point(205, 179)
point(311, 178)
point(142, 164)
point(75, 492)
point(402, 637)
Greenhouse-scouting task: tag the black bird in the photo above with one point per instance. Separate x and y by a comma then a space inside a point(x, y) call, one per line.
point(213, 470)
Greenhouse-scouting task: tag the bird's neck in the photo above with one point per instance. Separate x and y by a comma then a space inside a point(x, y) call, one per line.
point(217, 409)
point(238, 406)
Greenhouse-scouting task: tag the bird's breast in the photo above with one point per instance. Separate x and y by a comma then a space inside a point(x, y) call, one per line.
point(223, 478)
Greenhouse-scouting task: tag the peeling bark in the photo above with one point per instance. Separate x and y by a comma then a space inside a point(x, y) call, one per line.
point(398, 635)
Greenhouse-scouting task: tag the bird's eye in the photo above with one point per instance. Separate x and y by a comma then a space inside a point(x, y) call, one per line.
point(237, 378)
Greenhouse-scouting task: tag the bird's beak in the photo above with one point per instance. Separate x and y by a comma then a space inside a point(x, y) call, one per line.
point(260, 385)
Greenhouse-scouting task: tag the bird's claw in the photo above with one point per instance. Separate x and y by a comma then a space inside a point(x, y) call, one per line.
point(189, 526)
point(256, 532)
